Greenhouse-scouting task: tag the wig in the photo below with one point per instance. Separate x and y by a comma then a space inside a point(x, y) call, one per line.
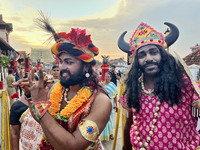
point(167, 85)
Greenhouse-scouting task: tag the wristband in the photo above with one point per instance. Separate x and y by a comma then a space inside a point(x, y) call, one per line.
point(40, 108)
point(27, 95)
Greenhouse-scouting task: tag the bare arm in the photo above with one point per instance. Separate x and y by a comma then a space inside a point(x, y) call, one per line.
point(129, 122)
point(15, 132)
point(62, 139)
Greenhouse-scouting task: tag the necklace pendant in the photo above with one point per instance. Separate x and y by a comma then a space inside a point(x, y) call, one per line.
point(142, 148)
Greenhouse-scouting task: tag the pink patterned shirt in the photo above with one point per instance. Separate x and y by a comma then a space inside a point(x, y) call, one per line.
point(175, 128)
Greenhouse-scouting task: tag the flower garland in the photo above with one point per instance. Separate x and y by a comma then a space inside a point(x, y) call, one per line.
point(77, 37)
point(75, 103)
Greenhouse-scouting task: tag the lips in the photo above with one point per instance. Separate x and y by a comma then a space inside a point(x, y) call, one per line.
point(150, 66)
point(65, 75)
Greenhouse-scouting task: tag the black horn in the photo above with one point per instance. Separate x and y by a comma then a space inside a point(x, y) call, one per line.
point(173, 34)
point(124, 46)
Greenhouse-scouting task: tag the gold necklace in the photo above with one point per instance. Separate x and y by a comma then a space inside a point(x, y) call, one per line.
point(150, 100)
point(152, 127)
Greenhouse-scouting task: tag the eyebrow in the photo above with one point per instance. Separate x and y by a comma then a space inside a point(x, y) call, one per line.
point(65, 59)
point(153, 48)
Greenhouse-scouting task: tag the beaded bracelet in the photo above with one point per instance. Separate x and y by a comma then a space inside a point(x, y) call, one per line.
point(40, 108)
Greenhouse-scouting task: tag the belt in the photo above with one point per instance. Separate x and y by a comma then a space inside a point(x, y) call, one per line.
point(10, 86)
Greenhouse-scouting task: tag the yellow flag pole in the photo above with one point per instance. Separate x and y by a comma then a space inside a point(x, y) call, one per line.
point(116, 127)
point(118, 117)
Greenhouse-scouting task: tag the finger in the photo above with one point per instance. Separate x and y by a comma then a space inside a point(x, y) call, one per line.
point(32, 73)
point(30, 81)
point(41, 78)
point(21, 74)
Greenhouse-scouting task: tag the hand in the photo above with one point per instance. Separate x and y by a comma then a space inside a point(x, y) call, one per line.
point(38, 90)
point(25, 88)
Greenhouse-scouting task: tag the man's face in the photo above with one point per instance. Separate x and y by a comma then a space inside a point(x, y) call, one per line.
point(149, 58)
point(71, 70)
point(16, 71)
point(56, 72)
point(112, 69)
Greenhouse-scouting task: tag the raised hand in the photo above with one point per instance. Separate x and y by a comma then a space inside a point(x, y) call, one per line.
point(38, 90)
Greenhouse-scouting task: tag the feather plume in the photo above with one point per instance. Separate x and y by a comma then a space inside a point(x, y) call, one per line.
point(44, 23)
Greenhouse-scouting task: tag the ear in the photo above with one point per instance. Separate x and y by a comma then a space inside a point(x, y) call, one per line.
point(86, 67)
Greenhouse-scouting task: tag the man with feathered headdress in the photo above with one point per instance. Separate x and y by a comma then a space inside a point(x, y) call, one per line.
point(160, 96)
point(78, 108)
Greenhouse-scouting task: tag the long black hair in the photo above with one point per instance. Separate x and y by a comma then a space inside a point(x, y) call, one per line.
point(93, 80)
point(167, 85)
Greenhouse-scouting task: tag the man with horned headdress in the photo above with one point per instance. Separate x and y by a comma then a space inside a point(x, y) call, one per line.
point(160, 96)
point(78, 108)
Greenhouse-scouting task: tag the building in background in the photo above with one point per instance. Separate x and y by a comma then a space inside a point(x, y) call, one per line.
point(43, 56)
point(193, 62)
point(120, 64)
point(5, 48)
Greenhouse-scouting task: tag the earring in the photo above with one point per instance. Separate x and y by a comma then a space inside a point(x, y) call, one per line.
point(87, 75)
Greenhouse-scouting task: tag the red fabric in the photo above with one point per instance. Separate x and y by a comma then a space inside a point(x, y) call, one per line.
point(104, 71)
point(15, 95)
point(57, 63)
point(27, 67)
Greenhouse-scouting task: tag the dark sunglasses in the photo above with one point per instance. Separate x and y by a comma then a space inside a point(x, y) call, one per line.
point(55, 70)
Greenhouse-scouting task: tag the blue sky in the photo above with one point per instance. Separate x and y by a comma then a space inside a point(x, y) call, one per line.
point(105, 20)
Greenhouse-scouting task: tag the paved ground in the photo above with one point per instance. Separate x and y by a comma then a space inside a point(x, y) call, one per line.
point(109, 145)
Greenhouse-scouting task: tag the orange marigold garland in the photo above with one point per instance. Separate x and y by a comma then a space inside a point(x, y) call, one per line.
point(75, 103)
point(55, 97)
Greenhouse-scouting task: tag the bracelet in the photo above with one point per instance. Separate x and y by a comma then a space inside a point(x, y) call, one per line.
point(27, 95)
point(40, 108)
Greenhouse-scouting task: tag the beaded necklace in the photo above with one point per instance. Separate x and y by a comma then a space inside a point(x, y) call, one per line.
point(143, 146)
point(145, 91)
point(152, 127)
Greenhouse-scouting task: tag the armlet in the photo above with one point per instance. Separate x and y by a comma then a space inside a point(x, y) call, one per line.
point(88, 129)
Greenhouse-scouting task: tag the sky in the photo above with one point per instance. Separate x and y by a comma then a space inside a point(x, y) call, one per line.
point(105, 20)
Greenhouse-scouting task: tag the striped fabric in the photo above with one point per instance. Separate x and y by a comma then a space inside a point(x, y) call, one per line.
point(108, 130)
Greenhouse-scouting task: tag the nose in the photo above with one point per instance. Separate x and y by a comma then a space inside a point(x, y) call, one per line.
point(149, 58)
point(62, 66)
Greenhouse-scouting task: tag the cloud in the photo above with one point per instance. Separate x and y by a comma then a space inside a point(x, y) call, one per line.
point(105, 27)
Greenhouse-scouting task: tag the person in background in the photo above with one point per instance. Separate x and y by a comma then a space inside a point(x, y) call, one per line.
point(114, 79)
point(112, 92)
point(119, 73)
point(45, 75)
point(16, 79)
point(26, 75)
point(10, 88)
point(22, 123)
point(55, 73)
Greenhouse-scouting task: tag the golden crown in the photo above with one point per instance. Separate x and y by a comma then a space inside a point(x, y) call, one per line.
point(143, 35)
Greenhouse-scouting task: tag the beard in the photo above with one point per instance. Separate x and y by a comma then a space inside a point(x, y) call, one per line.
point(73, 79)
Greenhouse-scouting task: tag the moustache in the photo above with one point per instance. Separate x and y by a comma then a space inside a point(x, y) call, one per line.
point(149, 63)
point(65, 71)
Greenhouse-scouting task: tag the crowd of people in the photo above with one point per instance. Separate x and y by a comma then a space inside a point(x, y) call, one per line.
point(75, 110)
